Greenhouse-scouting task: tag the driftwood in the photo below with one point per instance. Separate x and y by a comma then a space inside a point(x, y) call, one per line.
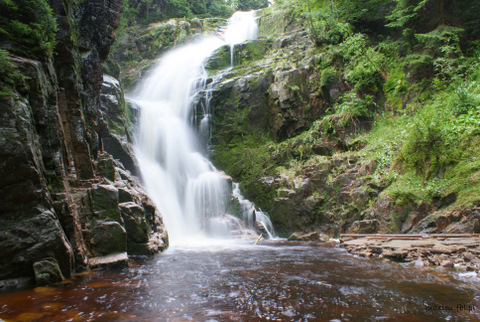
point(259, 237)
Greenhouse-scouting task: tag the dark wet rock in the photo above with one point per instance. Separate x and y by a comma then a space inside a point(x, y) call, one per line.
point(104, 201)
point(47, 271)
point(15, 284)
point(135, 222)
point(107, 237)
point(447, 220)
point(364, 227)
point(116, 124)
point(25, 240)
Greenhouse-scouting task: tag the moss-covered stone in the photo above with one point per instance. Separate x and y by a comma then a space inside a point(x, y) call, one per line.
point(135, 223)
point(104, 201)
point(220, 59)
point(251, 51)
point(107, 237)
point(47, 271)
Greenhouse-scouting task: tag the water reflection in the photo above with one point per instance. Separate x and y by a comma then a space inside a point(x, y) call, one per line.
point(298, 282)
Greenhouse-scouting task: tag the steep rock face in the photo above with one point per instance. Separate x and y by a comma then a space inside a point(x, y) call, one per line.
point(30, 229)
point(68, 202)
point(263, 93)
point(116, 123)
point(87, 31)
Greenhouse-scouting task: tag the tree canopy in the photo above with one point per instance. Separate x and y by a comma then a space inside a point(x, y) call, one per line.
point(146, 11)
point(27, 27)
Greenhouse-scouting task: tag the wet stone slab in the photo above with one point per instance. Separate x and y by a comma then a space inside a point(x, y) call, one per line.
point(450, 252)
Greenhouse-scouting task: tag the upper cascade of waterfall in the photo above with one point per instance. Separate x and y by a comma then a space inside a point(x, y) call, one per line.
point(192, 195)
point(241, 26)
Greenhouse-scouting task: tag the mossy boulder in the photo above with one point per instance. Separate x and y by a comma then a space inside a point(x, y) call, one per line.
point(107, 237)
point(220, 59)
point(135, 224)
point(104, 201)
point(47, 271)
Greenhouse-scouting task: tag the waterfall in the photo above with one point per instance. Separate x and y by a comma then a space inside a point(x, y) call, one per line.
point(189, 191)
point(251, 215)
point(242, 26)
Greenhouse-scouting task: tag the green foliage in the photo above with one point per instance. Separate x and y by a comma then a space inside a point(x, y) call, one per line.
point(464, 179)
point(247, 5)
point(352, 108)
point(396, 88)
point(433, 151)
point(416, 17)
point(29, 26)
point(426, 149)
point(367, 16)
point(364, 64)
point(9, 75)
point(148, 11)
point(329, 76)
point(323, 27)
point(128, 17)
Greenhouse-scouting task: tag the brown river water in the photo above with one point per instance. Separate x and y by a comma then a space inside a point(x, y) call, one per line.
point(272, 282)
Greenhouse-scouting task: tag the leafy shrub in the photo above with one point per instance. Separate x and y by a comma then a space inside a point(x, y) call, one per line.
point(29, 25)
point(9, 76)
point(328, 77)
point(354, 107)
point(364, 65)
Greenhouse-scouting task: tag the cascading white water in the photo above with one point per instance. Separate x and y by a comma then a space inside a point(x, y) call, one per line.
point(191, 194)
point(251, 215)
point(240, 27)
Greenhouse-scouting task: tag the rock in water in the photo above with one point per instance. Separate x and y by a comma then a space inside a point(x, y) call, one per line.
point(47, 271)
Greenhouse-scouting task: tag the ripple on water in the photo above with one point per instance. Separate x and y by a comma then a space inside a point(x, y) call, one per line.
point(281, 283)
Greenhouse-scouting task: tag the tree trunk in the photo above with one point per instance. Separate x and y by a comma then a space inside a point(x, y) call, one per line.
point(314, 32)
point(442, 13)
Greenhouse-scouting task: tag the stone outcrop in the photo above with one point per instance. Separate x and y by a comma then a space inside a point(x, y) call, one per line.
point(70, 199)
point(460, 251)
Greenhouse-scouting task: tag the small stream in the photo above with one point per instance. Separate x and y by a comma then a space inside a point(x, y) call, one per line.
point(240, 282)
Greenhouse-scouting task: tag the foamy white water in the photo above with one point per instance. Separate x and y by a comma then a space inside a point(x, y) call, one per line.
point(242, 26)
point(191, 194)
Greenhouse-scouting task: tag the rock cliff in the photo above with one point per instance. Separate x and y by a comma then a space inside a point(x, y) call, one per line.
point(70, 200)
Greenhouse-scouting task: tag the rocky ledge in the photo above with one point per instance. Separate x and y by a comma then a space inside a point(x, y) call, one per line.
point(459, 251)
